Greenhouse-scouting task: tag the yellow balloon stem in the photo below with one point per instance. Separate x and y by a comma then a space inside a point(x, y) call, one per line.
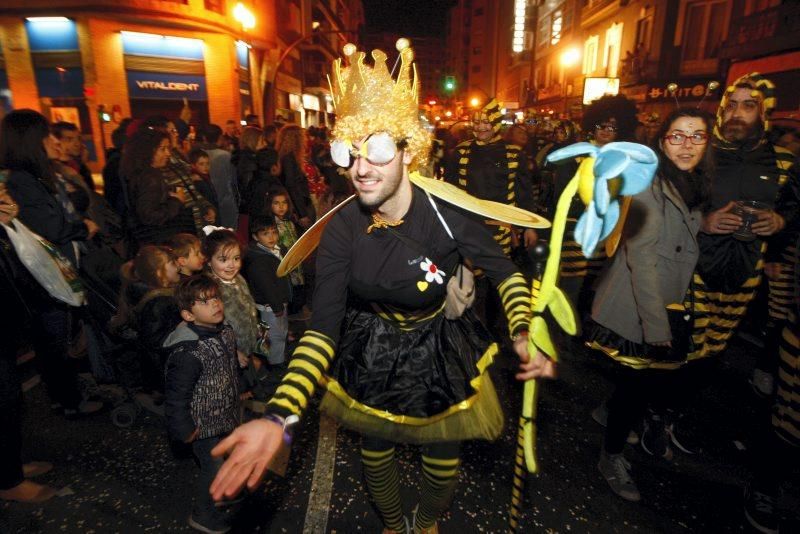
point(540, 296)
point(556, 240)
point(529, 436)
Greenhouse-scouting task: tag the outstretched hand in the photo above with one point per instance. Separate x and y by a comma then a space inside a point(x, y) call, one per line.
point(538, 366)
point(252, 447)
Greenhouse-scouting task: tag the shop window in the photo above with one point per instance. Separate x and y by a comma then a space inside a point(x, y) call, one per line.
point(704, 25)
point(590, 54)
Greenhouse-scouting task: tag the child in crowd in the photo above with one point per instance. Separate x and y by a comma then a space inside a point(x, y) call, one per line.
point(148, 312)
point(202, 388)
point(201, 177)
point(221, 248)
point(270, 293)
point(287, 236)
point(188, 256)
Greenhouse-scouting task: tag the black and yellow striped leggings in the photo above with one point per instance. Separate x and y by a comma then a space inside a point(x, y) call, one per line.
point(439, 476)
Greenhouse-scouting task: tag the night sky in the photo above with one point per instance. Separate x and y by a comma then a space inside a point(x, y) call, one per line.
point(407, 17)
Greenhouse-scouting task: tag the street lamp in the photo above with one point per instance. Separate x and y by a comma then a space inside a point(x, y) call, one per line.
point(244, 16)
point(475, 102)
point(570, 57)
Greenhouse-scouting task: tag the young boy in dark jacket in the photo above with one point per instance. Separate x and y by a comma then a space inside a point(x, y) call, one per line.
point(202, 388)
point(270, 292)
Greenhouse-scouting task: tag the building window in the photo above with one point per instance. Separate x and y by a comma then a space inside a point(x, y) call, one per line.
point(477, 51)
point(611, 55)
point(754, 6)
point(476, 69)
point(217, 6)
point(590, 54)
point(478, 11)
point(704, 25)
point(644, 30)
point(556, 27)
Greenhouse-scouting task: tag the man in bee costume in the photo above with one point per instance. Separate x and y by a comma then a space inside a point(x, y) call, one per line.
point(490, 168)
point(748, 167)
point(395, 369)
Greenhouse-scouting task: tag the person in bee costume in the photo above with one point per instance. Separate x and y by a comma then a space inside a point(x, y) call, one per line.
point(395, 368)
point(748, 168)
point(491, 168)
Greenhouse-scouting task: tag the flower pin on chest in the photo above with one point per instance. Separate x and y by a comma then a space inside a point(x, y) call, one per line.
point(432, 274)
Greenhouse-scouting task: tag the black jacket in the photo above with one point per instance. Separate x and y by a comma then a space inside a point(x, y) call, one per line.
point(40, 211)
point(296, 183)
point(155, 215)
point(260, 268)
point(202, 381)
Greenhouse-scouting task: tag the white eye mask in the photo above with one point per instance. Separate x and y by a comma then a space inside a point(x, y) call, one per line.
point(378, 149)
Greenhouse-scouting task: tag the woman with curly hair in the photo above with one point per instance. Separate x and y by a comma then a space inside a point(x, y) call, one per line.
point(608, 119)
point(298, 173)
point(157, 211)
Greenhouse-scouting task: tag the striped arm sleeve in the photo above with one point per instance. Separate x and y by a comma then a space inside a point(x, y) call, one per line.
point(516, 298)
point(310, 361)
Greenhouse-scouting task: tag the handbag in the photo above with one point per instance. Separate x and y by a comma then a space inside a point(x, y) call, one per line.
point(681, 324)
point(262, 340)
point(460, 292)
point(48, 266)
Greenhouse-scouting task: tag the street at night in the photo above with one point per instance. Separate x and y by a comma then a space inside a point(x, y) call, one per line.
point(128, 481)
point(400, 266)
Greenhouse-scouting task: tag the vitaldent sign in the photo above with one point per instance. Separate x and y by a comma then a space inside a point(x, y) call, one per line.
point(166, 86)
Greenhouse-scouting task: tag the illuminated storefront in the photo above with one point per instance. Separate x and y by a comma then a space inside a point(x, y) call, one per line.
point(165, 74)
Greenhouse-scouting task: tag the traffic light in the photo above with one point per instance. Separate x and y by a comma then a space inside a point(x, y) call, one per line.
point(449, 84)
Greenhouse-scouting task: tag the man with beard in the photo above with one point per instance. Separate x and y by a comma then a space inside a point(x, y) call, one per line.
point(748, 168)
point(402, 372)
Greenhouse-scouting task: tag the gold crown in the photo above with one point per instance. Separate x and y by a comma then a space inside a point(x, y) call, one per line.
point(367, 100)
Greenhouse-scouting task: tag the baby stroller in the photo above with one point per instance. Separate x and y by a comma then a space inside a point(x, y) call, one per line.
point(113, 353)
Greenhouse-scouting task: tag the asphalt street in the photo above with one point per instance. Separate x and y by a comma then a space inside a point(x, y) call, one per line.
point(128, 480)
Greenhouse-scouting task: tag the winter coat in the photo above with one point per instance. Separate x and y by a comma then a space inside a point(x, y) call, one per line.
point(652, 267)
point(202, 381)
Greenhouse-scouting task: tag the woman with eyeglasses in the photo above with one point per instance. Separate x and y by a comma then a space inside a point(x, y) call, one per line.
point(640, 299)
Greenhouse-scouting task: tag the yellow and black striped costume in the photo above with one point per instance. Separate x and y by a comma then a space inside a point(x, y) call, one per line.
point(387, 295)
point(754, 170)
point(493, 170)
point(786, 412)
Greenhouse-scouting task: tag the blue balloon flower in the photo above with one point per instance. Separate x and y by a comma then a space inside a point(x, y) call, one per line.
point(630, 165)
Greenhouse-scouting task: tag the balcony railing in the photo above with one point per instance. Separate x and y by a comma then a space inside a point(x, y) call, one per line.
point(773, 29)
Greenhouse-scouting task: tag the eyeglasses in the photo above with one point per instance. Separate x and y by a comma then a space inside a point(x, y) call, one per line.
point(378, 149)
point(698, 138)
point(607, 126)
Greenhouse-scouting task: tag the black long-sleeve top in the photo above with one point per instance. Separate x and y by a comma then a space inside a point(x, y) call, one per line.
point(355, 267)
point(40, 211)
